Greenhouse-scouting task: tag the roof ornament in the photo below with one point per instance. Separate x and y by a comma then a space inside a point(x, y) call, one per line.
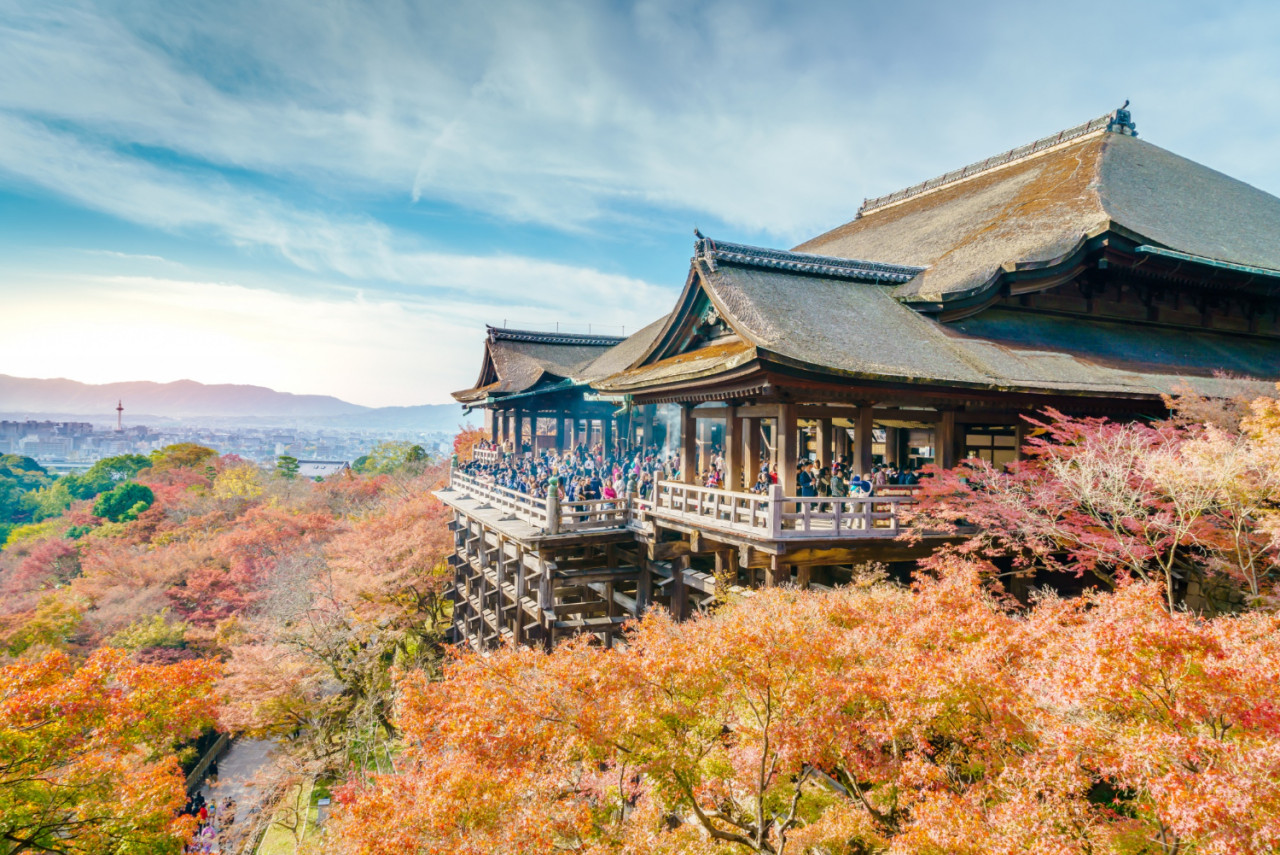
point(704, 248)
point(1122, 121)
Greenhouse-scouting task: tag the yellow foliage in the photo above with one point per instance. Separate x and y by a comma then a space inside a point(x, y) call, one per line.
point(109, 529)
point(56, 617)
point(32, 531)
point(242, 482)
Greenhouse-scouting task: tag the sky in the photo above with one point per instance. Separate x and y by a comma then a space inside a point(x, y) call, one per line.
point(336, 197)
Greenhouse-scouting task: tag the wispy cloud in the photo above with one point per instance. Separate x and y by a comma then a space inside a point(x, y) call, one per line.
point(287, 130)
point(356, 247)
point(768, 117)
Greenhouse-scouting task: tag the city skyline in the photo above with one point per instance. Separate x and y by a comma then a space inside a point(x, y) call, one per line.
point(337, 199)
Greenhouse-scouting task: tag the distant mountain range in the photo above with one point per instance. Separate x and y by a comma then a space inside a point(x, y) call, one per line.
point(187, 400)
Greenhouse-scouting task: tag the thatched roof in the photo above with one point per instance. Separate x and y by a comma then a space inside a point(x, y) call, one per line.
point(1041, 204)
point(845, 328)
point(518, 360)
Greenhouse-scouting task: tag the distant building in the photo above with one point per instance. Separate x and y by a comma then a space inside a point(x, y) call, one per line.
point(321, 468)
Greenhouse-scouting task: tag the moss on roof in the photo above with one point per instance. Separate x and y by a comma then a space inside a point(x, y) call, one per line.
point(1041, 208)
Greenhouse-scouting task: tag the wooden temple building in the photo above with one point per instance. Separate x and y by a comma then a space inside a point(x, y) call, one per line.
point(1090, 271)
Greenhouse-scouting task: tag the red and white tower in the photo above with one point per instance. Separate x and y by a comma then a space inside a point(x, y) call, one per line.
point(119, 415)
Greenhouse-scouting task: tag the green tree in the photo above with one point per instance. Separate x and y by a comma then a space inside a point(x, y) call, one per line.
point(287, 466)
point(387, 457)
point(48, 501)
point(18, 477)
point(124, 502)
point(104, 475)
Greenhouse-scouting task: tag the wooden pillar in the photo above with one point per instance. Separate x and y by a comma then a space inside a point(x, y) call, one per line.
point(862, 457)
point(647, 423)
point(732, 451)
point(1019, 437)
point(606, 437)
point(891, 445)
point(777, 573)
point(517, 436)
point(824, 442)
point(562, 431)
point(945, 440)
point(679, 592)
point(704, 445)
point(688, 444)
point(751, 465)
point(644, 585)
point(804, 575)
point(786, 448)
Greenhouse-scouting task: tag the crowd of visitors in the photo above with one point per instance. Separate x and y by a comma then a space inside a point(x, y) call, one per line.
point(214, 823)
point(584, 473)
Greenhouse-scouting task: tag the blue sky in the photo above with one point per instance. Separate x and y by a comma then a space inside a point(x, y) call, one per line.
point(335, 197)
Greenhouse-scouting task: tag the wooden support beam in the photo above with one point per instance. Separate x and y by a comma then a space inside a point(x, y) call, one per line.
point(704, 441)
point(688, 445)
point(644, 588)
point(804, 575)
point(824, 442)
point(891, 445)
point(667, 550)
point(774, 574)
point(751, 463)
point(679, 591)
point(945, 439)
point(862, 453)
point(786, 447)
point(733, 477)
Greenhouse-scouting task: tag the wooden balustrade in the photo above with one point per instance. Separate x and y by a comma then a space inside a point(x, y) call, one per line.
point(772, 516)
point(776, 516)
point(550, 514)
point(487, 456)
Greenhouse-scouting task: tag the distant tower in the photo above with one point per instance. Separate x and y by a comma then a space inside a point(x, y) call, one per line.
point(119, 415)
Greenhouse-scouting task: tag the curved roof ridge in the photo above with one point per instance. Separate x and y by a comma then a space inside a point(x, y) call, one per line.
point(713, 251)
point(1117, 121)
point(536, 337)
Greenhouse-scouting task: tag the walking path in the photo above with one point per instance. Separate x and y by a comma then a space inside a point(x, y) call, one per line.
point(231, 797)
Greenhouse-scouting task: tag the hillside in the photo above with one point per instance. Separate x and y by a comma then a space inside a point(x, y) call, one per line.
point(187, 399)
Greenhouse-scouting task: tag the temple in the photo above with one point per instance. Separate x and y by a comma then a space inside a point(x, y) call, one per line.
point(1089, 271)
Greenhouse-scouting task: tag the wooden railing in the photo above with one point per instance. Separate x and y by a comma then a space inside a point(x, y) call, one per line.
point(775, 516)
point(739, 513)
point(550, 514)
point(771, 516)
point(531, 509)
point(487, 456)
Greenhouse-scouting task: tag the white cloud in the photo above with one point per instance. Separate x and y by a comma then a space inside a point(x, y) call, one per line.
point(356, 247)
point(766, 117)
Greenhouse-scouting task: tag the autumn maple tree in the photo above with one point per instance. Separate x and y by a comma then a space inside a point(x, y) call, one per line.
point(1165, 501)
point(877, 718)
point(87, 759)
point(465, 443)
